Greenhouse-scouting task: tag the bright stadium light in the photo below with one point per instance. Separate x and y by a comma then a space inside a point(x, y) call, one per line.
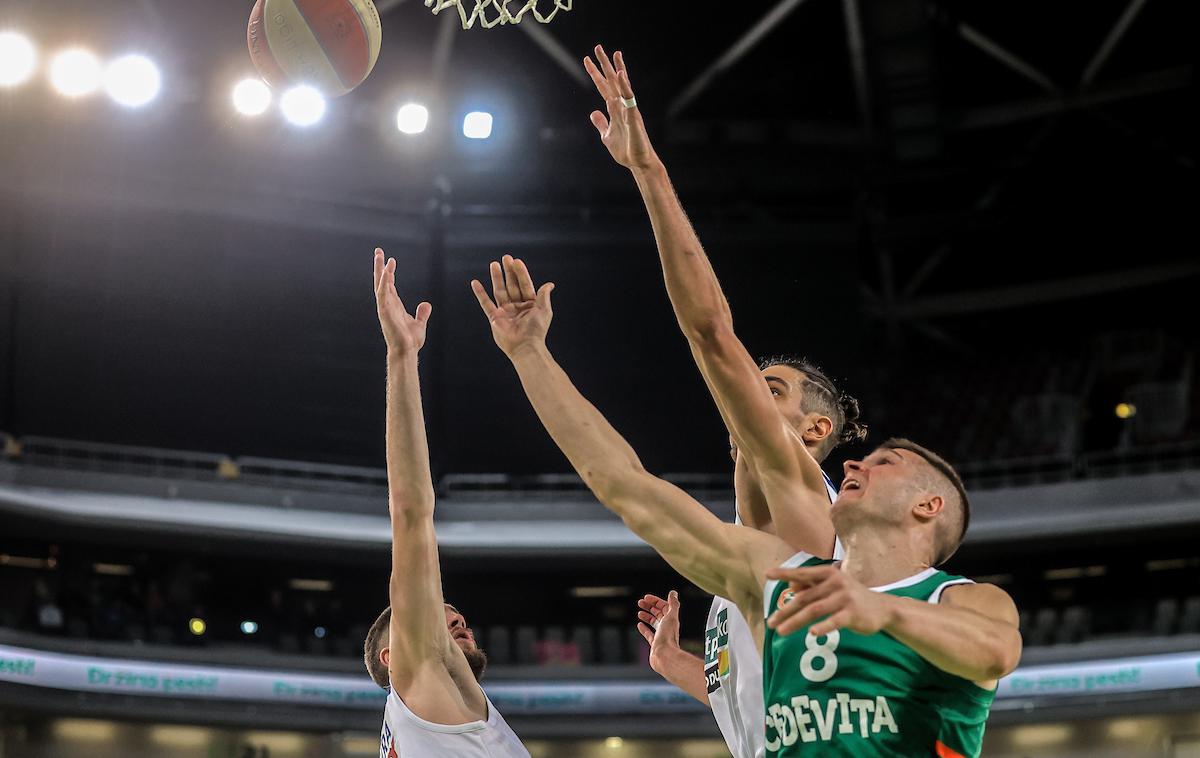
point(412, 118)
point(18, 59)
point(477, 125)
point(75, 73)
point(132, 80)
point(197, 627)
point(251, 97)
point(249, 627)
point(303, 105)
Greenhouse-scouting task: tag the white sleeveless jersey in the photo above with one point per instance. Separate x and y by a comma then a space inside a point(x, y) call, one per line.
point(733, 672)
point(407, 735)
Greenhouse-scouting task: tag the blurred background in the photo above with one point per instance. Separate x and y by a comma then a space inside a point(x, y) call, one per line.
point(978, 218)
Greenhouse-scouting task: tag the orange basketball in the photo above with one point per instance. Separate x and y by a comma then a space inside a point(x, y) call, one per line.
point(328, 44)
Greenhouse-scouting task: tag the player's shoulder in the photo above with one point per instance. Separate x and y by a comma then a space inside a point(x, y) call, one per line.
point(987, 599)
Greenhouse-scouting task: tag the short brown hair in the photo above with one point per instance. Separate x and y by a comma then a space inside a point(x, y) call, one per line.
point(377, 640)
point(821, 395)
point(949, 543)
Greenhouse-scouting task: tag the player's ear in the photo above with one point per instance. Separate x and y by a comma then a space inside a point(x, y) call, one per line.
point(385, 657)
point(929, 508)
point(817, 429)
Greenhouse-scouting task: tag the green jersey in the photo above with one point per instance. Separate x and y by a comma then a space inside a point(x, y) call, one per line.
point(848, 694)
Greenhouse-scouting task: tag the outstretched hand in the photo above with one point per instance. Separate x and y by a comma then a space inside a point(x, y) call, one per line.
point(829, 600)
point(622, 130)
point(658, 621)
point(404, 333)
point(520, 315)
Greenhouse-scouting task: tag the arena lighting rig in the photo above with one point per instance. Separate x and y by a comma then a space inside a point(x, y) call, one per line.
point(133, 80)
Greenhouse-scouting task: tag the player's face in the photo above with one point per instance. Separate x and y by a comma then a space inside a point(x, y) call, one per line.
point(456, 623)
point(787, 387)
point(877, 485)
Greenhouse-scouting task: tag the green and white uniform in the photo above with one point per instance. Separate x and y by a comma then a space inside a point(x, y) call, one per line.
point(848, 694)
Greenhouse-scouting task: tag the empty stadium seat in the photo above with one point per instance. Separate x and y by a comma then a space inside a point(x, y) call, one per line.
point(1189, 620)
point(1166, 614)
point(526, 646)
point(499, 645)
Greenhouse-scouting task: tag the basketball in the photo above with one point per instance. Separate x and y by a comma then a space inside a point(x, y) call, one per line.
point(331, 45)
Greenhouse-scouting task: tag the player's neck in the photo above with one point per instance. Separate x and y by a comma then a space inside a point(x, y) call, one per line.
point(878, 557)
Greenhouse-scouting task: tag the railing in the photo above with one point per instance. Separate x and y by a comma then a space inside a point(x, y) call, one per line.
point(48, 452)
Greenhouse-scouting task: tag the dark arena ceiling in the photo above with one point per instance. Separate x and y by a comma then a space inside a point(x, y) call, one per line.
point(890, 187)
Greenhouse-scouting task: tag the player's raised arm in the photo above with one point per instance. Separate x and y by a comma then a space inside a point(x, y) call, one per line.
point(418, 635)
point(799, 504)
point(719, 558)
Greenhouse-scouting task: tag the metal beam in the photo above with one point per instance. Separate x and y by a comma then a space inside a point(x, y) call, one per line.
point(1002, 298)
point(1110, 42)
point(995, 50)
point(1027, 110)
point(858, 64)
point(569, 63)
point(731, 56)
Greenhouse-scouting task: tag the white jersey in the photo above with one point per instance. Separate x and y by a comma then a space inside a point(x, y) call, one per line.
point(733, 672)
point(407, 735)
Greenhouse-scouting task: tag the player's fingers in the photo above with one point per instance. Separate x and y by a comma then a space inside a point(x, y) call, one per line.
point(619, 61)
point(624, 88)
point(647, 632)
point(649, 618)
point(833, 623)
point(424, 310)
point(600, 121)
point(807, 615)
point(499, 291)
point(378, 266)
point(673, 601)
point(485, 302)
point(389, 283)
point(602, 86)
point(524, 280)
point(606, 66)
point(510, 279)
point(543, 296)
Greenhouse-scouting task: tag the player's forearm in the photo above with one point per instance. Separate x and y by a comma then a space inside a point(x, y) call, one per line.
point(595, 449)
point(959, 641)
point(410, 484)
point(685, 671)
point(700, 305)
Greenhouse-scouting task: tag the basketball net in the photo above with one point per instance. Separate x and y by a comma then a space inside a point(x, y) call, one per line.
point(498, 9)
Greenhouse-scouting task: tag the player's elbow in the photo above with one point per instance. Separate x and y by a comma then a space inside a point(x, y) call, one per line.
point(413, 505)
point(612, 482)
point(708, 329)
point(1004, 654)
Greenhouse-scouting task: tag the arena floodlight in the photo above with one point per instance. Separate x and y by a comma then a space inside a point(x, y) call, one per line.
point(18, 59)
point(320, 632)
point(477, 125)
point(251, 97)
point(303, 105)
point(197, 627)
point(132, 80)
point(614, 743)
point(75, 73)
point(412, 118)
point(249, 627)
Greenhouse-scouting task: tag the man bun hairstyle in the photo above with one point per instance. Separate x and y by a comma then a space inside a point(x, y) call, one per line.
point(377, 640)
point(821, 395)
point(950, 538)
